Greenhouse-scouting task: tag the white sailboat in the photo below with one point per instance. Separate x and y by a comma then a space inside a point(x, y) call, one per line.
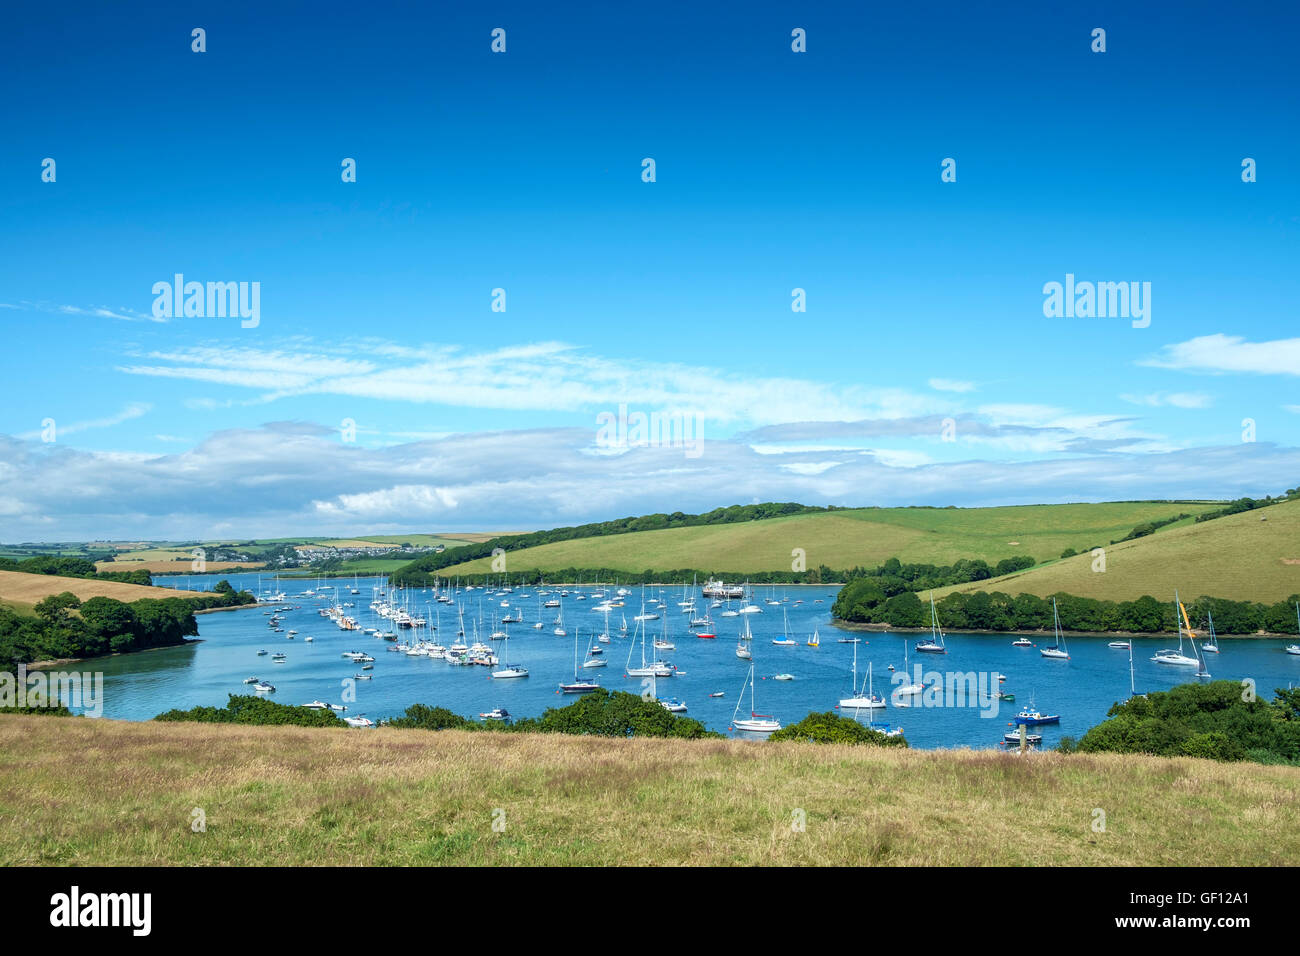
point(1057, 650)
point(755, 723)
point(655, 668)
point(1173, 657)
point(743, 643)
point(508, 671)
point(864, 699)
point(1211, 644)
point(935, 644)
point(582, 686)
point(906, 690)
point(1295, 648)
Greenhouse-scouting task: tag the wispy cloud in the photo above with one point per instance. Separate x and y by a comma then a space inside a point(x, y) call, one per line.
point(951, 385)
point(133, 410)
point(1172, 399)
point(545, 376)
point(95, 311)
point(1230, 353)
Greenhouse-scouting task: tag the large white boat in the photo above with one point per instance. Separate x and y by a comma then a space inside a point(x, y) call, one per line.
point(717, 589)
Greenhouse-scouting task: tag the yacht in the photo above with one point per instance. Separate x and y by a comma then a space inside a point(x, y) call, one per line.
point(1058, 649)
point(1177, 658)
point(935, 644)
point(755, 723)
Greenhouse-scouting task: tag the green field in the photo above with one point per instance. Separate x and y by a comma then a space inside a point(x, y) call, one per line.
point(845, 539)
point(79, 792)
point(1251, 556)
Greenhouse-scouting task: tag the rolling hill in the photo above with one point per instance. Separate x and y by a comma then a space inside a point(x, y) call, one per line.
point(844, 539)
point(1251, 556)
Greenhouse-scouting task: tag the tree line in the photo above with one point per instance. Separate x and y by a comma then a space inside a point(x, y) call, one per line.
point(64, 626)
point(865, 601)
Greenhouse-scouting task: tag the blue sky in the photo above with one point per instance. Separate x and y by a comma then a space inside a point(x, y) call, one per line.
point(522, 171)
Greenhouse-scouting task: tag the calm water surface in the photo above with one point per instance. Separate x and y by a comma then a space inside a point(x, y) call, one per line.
point(1080, 690)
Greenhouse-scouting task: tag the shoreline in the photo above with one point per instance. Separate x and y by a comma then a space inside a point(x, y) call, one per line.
point(231, 607)
point(60, 662)
point(890, 629)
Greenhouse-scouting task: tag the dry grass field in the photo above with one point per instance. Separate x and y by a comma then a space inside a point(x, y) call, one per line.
point(170, 567)
point(17, 588)
point(75, 791)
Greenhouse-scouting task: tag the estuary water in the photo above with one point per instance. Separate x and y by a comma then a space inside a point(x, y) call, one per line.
point(1081, 689)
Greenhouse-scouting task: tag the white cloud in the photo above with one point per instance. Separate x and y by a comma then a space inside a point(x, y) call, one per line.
point(546, 376)
point(951, 385)
point(1231, 353)
point(1174, 399)
point(295, 478)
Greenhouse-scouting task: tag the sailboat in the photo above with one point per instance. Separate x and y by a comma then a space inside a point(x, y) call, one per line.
point(655, 668)
point(1178, 658)
point(1057, 650)
point(935, 644)
point(1295, 648)
point(815, 640)
point(1211, 644)
point(860, 700)
point(1132, 686)
point(906, 689)
point(755, 723)
point(583, 686)
point(743, 643)
point(509, 670)
point(786, 640)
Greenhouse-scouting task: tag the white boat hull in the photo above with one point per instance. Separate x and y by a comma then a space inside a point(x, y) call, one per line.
point(861, 703)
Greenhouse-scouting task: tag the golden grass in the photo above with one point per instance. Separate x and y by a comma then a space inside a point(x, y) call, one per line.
point(82, 792)
point(170, 567)
point(1239, 557)
point(20, 588)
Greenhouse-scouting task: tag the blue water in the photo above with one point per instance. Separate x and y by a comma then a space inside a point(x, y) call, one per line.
point(1080, 690)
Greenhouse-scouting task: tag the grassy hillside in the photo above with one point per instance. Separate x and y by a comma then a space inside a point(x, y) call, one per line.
point(844, 539)
point(21, 590)
point(1239, 556)
point(172, 566)
point(90, 792)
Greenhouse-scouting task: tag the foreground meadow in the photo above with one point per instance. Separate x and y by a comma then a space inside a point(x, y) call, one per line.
point(86, 792)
